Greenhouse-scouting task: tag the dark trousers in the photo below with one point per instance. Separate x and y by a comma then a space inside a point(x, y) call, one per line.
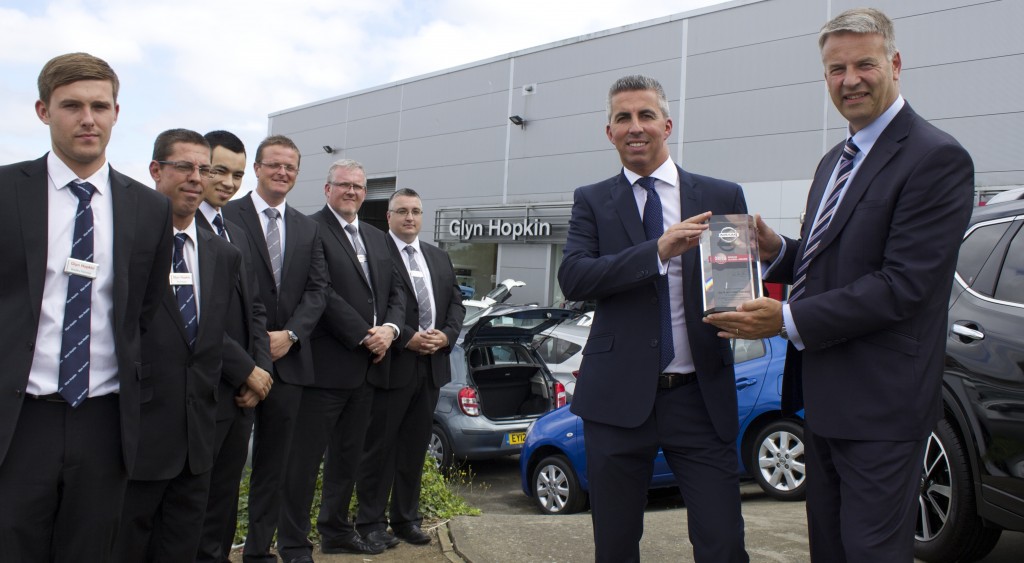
point(273, 427)
point(620, 462)
point(230, 452)
point(396, 445)
point(62, 482)
point(862, 498)
point(161, 520)
point(337, 417)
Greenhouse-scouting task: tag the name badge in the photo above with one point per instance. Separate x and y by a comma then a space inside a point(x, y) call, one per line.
point(181, 278)
point(416, 274)
point(81, 268)
point(361, 258)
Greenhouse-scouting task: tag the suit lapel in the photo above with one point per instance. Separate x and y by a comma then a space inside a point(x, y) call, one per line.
point(335, 227)
point(30, 196)
point(435, 267)
point(396, 255)
point(125, 203)
point(252, 223)
point(209, 259)
point(690, 204)
point(624, 204)
point(291, 239)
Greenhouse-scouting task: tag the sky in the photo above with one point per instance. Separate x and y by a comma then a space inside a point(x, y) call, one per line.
point(228, 64)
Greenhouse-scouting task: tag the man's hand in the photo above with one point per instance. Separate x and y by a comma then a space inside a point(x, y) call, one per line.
point(768, 242)
point(378, 340)
point(682, 236)
point(759, 318)
point(247, 398)
point(427, 341)
point(260, 382)
point(280, 344)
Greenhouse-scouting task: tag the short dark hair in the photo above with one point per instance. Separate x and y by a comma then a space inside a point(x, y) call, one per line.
point(226, 139)
point(403, 192)
point(72, 67)
point(635, 83)
point(276, 140)
point(164, 144)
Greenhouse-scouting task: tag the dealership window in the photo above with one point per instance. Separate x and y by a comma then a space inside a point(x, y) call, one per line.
point(475, 267)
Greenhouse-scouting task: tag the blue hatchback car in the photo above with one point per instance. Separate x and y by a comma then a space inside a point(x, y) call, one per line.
point(770, 448)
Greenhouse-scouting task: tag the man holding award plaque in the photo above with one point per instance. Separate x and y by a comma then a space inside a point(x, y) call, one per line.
point(866, 316)
point(652, 374)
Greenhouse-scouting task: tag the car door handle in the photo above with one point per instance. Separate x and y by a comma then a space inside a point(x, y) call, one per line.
point(745, 382)
point(965, 333)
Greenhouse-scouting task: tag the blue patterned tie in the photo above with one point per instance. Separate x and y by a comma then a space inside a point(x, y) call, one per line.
point(185, 294)
point(73, 374)
point(218, 223)
point(654, 227)
point(827, 212)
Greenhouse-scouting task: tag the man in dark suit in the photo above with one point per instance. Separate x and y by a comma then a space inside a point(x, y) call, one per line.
point(404, 397)
point(245, 378)
point(652, 374)
point(866, 315)
point(183, 347)
point(365, 307)
point(292, 285)
point(85, 261)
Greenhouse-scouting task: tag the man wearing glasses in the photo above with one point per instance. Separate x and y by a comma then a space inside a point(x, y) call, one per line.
point(365, 307)
point(292, 285)
point(182, 351)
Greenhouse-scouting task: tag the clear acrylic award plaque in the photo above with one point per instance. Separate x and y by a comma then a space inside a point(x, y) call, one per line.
point(729, 264)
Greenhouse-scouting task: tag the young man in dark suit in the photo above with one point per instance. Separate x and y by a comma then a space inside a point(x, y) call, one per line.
point(245, 378)
point(183, 350)
point(404, 397)
point(292, 284)
point(652, 374)
point(866, 316)
point(365, 307)
point(85, 261)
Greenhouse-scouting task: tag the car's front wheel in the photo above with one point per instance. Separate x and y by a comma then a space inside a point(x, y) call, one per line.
point(948, 529)
point(777, 460)
point(556, 488)
point(440, 448)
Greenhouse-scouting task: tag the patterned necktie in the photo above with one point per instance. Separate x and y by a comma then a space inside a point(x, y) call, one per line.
point(822, 222)
point(422, 297)
point(360, 251)
point(73, 374)
point(274, 243)
point(185, 294)
point(218, 223)
point(654, 227)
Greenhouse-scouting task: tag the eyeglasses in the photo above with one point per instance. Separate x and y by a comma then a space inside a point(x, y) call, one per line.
point(279, 166)
point(221, 171)
point(187, 168)
point(348, 186)
point(407, 212)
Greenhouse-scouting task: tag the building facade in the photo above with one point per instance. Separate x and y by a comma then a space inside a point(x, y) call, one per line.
point(497, 147)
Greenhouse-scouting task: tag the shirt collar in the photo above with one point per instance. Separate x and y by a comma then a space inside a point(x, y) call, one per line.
point(342, 221)
point(866, 137)
point(208, 211)
point(261, 204)
point(667, 173)
point(401, 244)
point(190, 232)
point(61, 174)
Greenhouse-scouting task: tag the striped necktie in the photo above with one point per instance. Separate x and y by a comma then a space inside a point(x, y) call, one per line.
point(73, 373)
point(422, 297)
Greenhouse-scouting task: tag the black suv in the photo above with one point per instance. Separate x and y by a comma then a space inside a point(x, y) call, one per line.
point(973, 482)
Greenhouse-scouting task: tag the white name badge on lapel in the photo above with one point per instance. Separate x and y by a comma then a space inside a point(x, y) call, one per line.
point(361, 258)
point(181, 278)
point(416, 274)
point(81, 268)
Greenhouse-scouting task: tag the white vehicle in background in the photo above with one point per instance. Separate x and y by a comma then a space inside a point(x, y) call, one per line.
point(476, 307)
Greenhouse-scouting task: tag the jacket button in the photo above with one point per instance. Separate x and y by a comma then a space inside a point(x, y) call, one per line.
point(654, 343)
point(31, 345)
point(370, 300)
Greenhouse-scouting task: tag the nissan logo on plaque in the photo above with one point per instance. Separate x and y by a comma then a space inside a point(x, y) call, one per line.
point(729, 264)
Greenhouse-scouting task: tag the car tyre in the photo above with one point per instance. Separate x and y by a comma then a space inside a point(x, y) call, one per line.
point(948, 529)
point(440, 448)
point(556, 489)
point(777, 460)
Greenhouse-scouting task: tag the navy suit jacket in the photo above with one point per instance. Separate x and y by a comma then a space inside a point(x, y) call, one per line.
point(143, 243)
point(873, 313)
point(607, 258)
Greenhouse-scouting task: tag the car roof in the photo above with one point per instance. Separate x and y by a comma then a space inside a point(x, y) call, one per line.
point(1004, 209)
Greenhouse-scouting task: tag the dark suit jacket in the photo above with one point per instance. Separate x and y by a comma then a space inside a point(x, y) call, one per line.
point(297, 306)
point(607, 258)
point(142, 258)
point(179, 389)
point(246, 324)
point(339, 361)
point(873, 313)
point(449, 315)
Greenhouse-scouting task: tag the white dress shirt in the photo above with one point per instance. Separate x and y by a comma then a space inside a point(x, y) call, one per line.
point(421, 264)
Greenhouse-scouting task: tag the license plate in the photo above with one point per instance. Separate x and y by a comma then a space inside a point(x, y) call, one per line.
point(515, 438)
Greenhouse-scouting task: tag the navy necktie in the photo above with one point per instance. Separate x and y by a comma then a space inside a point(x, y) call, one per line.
point(654, 227)
point(185, 294)
point(73, 374)
point(827, 212)
point(218, 223)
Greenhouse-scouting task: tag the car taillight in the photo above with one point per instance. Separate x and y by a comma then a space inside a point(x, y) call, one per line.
point(576, 374)
point(468, 401)
point(559, 394)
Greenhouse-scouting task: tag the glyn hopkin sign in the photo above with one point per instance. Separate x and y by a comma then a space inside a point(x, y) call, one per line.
point(499, 229)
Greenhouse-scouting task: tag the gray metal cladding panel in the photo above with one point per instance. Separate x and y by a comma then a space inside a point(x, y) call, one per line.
point(469, 82)
point(371, 131)
point(754, 24)
point(377, 102)
point(790, 156)
point(995, 142)
point(311, 142)
point(456, 186)
point(620, 51)
point(313, 117)
point(376, 159)
point(555, 178)
point(558, 136)
point(767, 111)
point(479, 145)
point(900, 10)
point(484, 110)
point(939, 36)
point(983, 87)
point(779, 63)
point(308, 195)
